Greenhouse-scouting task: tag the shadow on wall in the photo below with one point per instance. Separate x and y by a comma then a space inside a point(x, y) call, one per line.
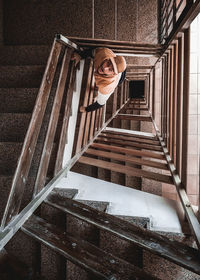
point(136, 89)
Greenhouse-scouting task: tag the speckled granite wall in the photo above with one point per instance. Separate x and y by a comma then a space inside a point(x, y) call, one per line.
point(127, 20)
point(1, 22)
point(147, 21)
point(36, 22)
point(104, 19)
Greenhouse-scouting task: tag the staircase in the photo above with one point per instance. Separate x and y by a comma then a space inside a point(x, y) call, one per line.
point(21, 73)
point(63, 234)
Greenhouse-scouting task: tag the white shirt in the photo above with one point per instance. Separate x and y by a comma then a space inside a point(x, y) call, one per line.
point(102, 98)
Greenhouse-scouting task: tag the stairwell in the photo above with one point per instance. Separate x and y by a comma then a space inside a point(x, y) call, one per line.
point(115, 231)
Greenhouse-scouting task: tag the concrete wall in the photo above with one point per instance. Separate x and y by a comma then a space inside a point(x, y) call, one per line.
point(1, 22)
point(36, 22)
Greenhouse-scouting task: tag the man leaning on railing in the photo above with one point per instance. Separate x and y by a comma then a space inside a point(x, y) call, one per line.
point(109, 72)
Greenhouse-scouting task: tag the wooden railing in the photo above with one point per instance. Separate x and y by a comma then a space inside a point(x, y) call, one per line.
point(176, 15)
point(125, 47)
point(92, 122)
point(54, 100)
point(30, 143)
point(169, 104)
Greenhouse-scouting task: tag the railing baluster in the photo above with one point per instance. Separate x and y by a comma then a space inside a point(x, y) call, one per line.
point(186, 71)
point(88, 115)
point(64, 130)
point(48, 145)
point(85, 89)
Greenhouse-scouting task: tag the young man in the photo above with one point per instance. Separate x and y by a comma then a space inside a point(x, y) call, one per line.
point(109, 72)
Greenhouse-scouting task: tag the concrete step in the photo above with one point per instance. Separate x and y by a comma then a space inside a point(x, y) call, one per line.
point(9, 154)
point(21, 76)
point(13, 126)
point(17, 100)
point(138, 221)
point(98, 205)
point(164, 214)
point(24, 55)
point(5, 186)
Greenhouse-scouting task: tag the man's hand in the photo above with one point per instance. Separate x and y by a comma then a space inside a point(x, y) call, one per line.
point(76, 57)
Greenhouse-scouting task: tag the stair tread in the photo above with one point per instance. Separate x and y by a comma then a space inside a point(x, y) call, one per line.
point(65, 193)
point(144, 238)
point(17, 123)
point(9, 154)
point(21, 76)
point(31, 54)
point(81, 252)
point(98, 205)
point(19, 100)
point(138, 221)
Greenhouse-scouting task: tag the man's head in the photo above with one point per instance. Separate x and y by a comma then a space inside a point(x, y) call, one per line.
point(112, 66)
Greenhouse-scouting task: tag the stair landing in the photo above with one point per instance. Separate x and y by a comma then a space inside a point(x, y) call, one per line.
point(164, 214)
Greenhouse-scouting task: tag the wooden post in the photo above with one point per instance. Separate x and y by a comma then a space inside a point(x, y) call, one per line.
point(88, 115)
point(85, 89)
point(162, 96)
point(171, 93)
point(179, 106)
point(174, 112)
point(167, 100)
point(153, 92)
point(186, 72)
point(114, 105)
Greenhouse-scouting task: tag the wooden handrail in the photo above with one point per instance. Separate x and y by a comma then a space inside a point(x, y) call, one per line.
point(48, 145)
point(29, 146)
point(12, 221)
point(190, 11)
point(15, 224)
point(119, 46)
point(191, 217)
point(21, 174)
point(174, 108)
point(115, 42)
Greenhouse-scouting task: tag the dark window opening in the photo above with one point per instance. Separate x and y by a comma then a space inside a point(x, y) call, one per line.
point(136, 89)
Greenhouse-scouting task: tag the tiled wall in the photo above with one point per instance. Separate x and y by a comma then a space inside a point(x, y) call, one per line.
point(194, 115)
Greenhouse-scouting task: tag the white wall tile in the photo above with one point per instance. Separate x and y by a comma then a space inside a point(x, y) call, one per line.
point(193, 83)
point(193, 63)
point(193, 105)
point(193, 124)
